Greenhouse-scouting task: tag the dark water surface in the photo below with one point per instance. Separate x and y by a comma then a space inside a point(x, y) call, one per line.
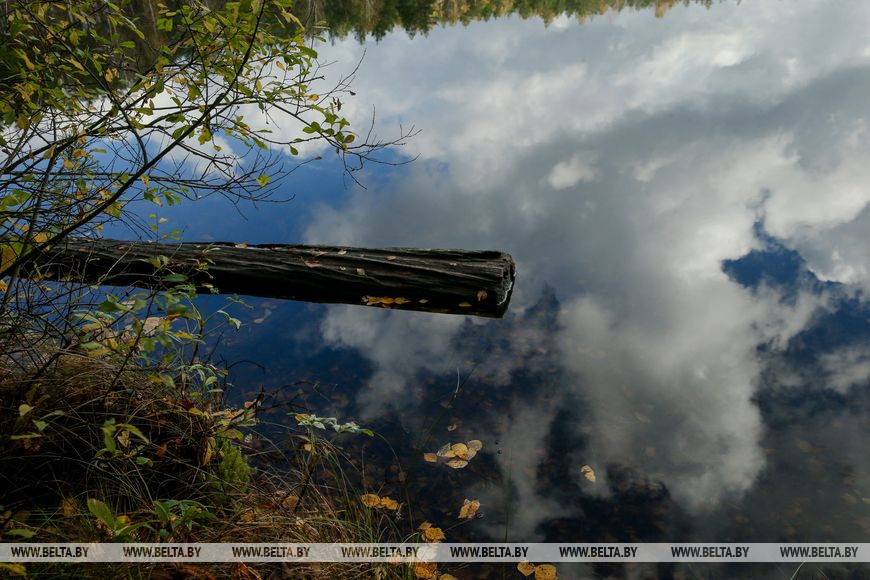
point(687, 201)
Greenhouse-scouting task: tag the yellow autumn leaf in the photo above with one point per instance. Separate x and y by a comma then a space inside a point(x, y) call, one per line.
point(468, 509)
point(388, 503)
point(588, 473)
point(425, 569)
point(526, 569)
point(67, 163)
point(430, 457)
point(4, 287)
point(370, 500)
point(464, 304)
point(206, 450)
point(545, 572)
point(401, 300)
point(290, 501)
point(460, 450)
point(446, 451)
point(457, 463)
point(447, 577)
point(424, 526)
point(475, 445)
point(14, 569)
point(433, 535)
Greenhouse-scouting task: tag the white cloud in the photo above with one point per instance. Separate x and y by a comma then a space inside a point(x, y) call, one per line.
point(568, 173)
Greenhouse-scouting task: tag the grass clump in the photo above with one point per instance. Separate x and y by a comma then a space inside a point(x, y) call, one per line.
point(94, 448)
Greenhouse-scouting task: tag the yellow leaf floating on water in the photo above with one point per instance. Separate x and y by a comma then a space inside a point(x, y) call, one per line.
point(432, 534)
point(373, 500)
point(447, 577)
point(545, 572)
point(430, 457)
point(370, 500)
point(468, 509)
point(464, 304)
point(445, 451)
point(389, 503)
point(457, 455)
point(526, 569)
point(588, 473)
point(460, 450)
point(425, 569)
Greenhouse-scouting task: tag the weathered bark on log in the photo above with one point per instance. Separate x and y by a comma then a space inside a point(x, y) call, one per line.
point(445, 281)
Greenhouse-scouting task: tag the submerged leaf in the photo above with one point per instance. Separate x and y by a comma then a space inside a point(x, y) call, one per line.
point(430, 457)
point(588, 473)
point(457, 463)
point(545, 572)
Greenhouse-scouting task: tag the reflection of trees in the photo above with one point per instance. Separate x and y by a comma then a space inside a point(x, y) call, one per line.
point(377, 17)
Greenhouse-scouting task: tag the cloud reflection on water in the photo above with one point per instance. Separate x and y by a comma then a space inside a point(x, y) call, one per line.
point(621, 163)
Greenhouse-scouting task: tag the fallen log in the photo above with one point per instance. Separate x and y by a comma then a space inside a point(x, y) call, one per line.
point(445, 281)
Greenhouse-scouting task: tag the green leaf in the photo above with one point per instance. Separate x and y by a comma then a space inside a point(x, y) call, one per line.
point(21, 533)
point(134, 430)
point(25, 436)
point(175, 278)
point(263, 180)
point(102, 512)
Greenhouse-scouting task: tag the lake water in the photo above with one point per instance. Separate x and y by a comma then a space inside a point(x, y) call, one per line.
point(686, 197)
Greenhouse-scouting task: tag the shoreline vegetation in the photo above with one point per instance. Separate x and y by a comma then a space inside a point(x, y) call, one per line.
point(114, 425)
point(113, 421)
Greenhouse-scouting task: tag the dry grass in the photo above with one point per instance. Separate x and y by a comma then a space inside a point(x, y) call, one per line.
point(84, 431)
